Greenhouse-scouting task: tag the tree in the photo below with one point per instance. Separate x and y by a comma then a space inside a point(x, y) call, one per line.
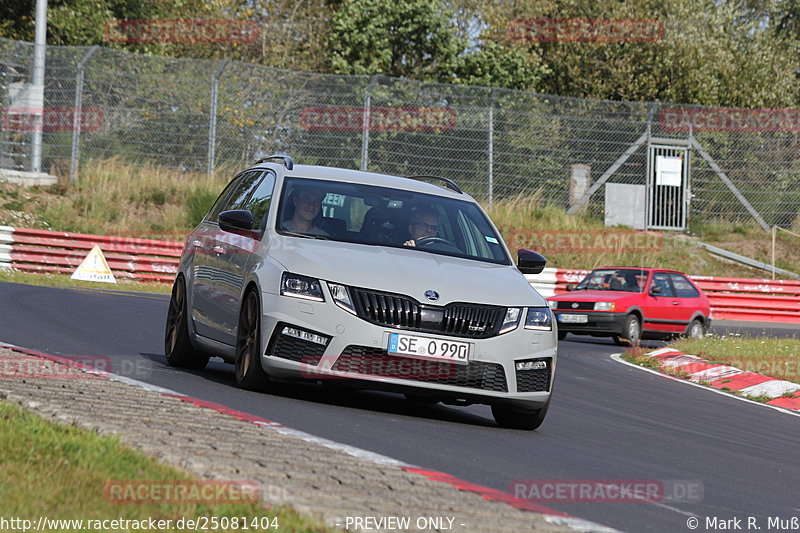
point(402, 38)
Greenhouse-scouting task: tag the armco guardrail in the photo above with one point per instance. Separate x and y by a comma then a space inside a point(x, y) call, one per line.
point(152, 260)
point(744, 299)
point(54, 251)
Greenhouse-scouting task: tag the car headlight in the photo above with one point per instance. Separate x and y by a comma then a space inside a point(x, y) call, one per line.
point(604, 306)
point(552, 303)
point(303, 287)
point(341, 297)
point(511, 321)
point(540, 318)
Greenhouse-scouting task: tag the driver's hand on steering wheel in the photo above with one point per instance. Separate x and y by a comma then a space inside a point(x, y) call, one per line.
point(410, 242)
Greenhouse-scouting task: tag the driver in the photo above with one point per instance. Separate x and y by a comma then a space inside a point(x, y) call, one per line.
point(423, 223)
point(307, 203)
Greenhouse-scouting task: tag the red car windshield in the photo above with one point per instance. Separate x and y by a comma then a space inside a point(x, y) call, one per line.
point(614, 279)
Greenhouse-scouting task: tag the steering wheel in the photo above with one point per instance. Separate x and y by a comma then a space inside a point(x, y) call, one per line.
point(426, 241)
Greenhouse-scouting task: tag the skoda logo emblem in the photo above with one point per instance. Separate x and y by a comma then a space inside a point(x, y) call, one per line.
point(575, 305)
point(432, 295)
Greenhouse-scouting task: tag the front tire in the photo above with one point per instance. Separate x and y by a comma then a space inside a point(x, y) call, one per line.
point(248, 371)
point(510, 417)
point(177, 345)
point(631, 333)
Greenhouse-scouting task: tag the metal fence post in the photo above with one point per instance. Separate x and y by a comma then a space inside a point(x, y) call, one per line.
point(491, 146)
point(365, 123)
point(212, 122)
point(77, 115)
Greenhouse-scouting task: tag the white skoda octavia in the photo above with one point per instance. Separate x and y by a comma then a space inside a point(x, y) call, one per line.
point(380, 282)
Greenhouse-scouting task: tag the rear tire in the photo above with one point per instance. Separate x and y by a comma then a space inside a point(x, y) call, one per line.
point(178, 347)
point(248, 371)
point(516, 418)
point(695, 330)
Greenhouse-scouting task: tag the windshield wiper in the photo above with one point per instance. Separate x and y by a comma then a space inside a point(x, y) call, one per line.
point(305, 235)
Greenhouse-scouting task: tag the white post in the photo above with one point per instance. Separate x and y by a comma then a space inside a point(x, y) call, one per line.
point(365, 123)
point(37, 89)
point(76, 116)
point(491, 147)
point(212, 123)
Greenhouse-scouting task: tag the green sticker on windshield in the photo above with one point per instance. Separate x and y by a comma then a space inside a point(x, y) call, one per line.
point(490, 239)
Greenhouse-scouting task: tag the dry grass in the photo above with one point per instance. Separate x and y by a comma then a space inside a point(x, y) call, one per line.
point(114, 197)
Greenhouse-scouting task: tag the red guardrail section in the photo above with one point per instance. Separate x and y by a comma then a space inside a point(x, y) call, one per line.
point(762, 300)
point(53, 251)
point(152, 260)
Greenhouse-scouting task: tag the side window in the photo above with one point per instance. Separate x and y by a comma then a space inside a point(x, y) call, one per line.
point(215, 210)
point(260, 200)
point(241, 194)
point(661, 279)
point(683, 288)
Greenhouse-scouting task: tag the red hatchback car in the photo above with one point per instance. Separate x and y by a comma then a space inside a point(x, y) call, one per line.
point(630, 304)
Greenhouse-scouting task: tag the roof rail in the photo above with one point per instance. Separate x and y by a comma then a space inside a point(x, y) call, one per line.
point(450, 184)
point(288, 162)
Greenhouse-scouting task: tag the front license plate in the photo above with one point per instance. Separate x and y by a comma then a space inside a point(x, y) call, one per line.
point(573, 319)
point(417, 346)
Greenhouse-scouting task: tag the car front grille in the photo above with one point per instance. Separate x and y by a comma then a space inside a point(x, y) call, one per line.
point(402, 312)
point(534, 380)
point(375, 361)
point(580, 305)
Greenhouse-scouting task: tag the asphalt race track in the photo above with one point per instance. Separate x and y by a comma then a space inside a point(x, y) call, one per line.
point(607, 421)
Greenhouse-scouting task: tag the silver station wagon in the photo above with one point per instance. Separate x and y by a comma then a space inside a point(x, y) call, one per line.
point(378, 282)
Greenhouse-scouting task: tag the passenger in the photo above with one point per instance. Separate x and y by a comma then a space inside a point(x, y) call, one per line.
point(423, 223)
point(307, 202)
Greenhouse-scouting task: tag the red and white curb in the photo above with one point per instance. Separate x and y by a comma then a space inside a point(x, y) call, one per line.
point(551, 515)
point(727, 379)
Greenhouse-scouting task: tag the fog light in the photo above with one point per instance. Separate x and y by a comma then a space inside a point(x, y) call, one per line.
point(531, 365)
point(305, 336)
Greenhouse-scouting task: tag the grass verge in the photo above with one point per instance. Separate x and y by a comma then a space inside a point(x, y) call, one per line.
point(60, 472)
point(63, 280)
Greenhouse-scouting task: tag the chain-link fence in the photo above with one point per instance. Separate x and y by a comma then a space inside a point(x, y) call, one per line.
point(200, 114)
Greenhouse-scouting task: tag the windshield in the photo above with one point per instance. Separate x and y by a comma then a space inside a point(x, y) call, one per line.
point(372, 215)
point(614, 279)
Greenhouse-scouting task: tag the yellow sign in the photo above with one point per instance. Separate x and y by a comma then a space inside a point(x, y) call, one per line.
point(94, 268)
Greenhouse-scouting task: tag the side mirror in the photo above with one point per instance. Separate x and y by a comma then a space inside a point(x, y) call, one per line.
point(656, 289)
point(529, 262)
point(236, 220)
point(571, 287)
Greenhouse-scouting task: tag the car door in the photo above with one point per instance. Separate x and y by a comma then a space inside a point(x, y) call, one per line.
point(661, 309)
point(688, 297)
point(201, 271)
point(236, 251)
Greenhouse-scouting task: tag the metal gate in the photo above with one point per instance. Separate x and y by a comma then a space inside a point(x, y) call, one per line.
point(667, 187)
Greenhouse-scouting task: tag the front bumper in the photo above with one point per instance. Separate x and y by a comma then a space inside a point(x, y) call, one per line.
point(597, 322)
point(340, 346)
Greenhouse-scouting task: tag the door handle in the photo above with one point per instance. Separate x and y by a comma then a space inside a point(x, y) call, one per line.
point(218, 250)
point(675, 303)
